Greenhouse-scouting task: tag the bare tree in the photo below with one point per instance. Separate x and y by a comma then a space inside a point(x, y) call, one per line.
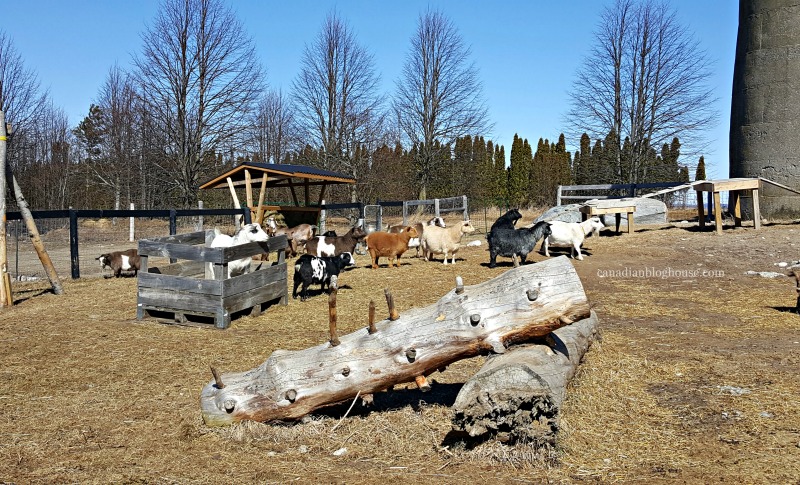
point(644, 82)
point(336, 94)
point(439, 95)
point(274, 131)
point(200, 77)
point(21, 97)
point(109, 136)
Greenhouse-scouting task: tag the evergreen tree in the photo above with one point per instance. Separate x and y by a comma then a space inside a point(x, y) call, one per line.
point(501, 176)
point(700, 173)
point(518, 172)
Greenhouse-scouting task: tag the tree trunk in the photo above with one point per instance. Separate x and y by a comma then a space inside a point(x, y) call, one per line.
point(517, 396)
point(519, 305)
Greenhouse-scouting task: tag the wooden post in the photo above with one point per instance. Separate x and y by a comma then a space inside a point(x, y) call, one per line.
point(756, 210)
point(332, 318)
point(393, 314)
point(294, 194)
point(735, 207)
point(261, 195)
point(36, 239)
point(5, 290)
point(717, 212)
point(235, 199)
point(248, 188)
point(701, 217)
point(558, 195)
point(371, 329)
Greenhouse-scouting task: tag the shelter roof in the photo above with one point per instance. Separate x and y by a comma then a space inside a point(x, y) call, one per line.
point(278, 175)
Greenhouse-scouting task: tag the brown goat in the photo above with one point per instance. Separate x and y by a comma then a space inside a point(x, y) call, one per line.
point(389, 245)
point(120, 261)
point(335, 245)
point(295, 236)
point(420, 227)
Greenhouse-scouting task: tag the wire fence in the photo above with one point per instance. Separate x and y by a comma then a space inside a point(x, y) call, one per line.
point(93, 237)
point(99, 235)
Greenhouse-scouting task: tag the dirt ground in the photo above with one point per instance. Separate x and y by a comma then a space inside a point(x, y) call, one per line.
point(695, 379)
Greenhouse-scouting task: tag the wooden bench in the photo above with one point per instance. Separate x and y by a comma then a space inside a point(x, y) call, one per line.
point(734, 187)
point(610, 206)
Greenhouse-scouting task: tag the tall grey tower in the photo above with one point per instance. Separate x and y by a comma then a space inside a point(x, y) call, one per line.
point(765, 108)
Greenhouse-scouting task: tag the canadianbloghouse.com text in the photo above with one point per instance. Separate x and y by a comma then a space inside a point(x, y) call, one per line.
point(663, 273)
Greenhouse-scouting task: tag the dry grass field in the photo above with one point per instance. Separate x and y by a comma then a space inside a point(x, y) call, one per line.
point(695, 379)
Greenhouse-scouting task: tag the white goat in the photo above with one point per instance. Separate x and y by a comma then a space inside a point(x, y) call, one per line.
point(571, 234)
point(443, 240)
point(247, 234)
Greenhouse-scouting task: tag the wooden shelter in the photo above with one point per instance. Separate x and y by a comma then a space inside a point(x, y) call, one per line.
point(273, 175)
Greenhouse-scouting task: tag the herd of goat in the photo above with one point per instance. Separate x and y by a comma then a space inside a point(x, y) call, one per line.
point(327, 255)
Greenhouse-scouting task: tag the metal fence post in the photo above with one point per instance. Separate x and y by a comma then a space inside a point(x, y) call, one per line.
point(173, 222)
point(199, 226)
point(132, 230)
point(73, 244)
point(323, 215)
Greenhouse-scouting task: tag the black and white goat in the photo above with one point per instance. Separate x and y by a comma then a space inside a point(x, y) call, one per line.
point(120, 261)
point(323, 271)
point(512, 243)
point(246, 234)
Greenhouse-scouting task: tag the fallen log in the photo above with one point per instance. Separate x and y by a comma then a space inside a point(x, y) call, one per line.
point(517, 396)
point(519, 305)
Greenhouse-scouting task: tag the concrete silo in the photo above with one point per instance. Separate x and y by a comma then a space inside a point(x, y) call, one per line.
point(765, 106)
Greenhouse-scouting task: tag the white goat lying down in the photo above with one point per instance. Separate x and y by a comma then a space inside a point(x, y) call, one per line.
point(571, 234)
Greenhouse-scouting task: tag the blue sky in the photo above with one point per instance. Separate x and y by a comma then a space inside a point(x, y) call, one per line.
point(527, 51)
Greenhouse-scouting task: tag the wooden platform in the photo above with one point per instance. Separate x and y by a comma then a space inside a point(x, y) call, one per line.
point(734, 187)
point(182, 288)
point(610, 206)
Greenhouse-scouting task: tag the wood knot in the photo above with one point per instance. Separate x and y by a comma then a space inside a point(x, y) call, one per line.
point(474, 319)
point(291, 395)
point(411, 355)
point(229, 405)
point(346, 371)
point(533, 295)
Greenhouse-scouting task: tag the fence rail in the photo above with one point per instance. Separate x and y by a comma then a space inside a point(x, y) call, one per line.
point(74, 237)
point(627, 190)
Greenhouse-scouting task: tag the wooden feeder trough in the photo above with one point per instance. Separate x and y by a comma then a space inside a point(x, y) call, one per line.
point(188, 288)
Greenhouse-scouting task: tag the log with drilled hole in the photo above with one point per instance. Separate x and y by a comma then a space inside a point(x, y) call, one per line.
point(517, 306)
point(517, 396)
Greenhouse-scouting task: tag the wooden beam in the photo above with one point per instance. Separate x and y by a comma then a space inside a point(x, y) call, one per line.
point(5, 290)
point(248, 188)
point(776, 184)
point(294, 194)
point(322, 193)
point(235, 200)
point(307, 193)
point(260, 213)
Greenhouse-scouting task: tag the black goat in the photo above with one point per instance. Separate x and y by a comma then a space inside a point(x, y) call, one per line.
point(510, 242)
point(509, 219)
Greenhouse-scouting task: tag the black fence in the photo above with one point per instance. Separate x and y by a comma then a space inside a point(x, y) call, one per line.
point(74, 215)
point(74, 238)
